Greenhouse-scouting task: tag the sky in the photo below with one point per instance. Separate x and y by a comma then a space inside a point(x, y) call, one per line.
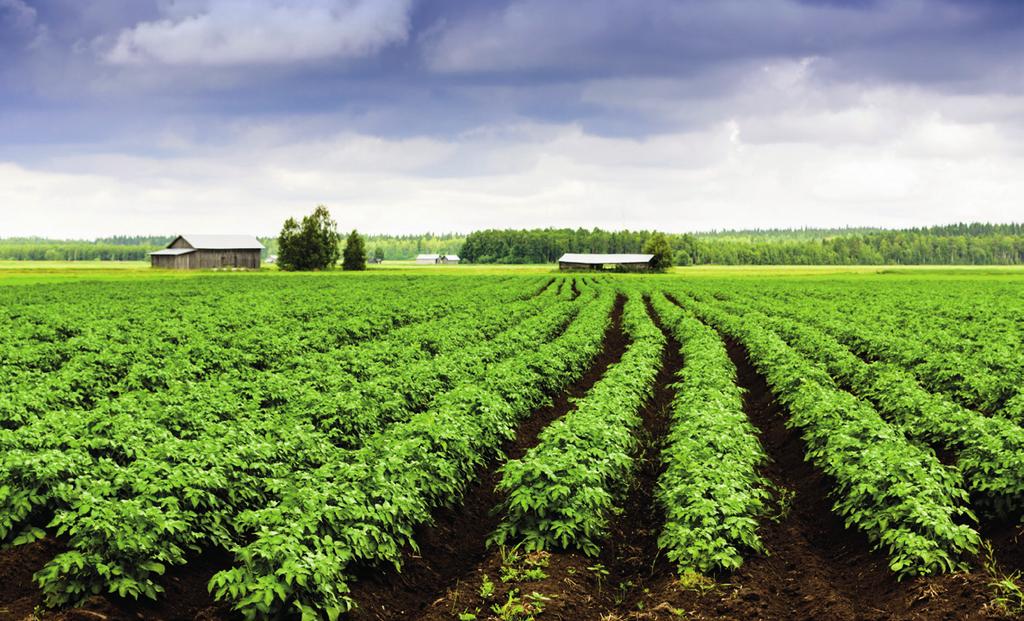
point(408, 116)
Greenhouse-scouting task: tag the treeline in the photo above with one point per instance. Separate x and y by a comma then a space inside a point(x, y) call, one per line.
point(958, 244)
point(955, 244)
point(104, 249)
point(400, 247)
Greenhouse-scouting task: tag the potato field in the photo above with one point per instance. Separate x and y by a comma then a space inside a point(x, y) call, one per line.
point(513, 446)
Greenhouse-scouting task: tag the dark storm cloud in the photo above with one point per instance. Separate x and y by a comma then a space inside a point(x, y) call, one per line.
point(439, 67)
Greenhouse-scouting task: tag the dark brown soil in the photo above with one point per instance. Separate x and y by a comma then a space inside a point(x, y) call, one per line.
point(456, 542)
point(574, 586)
point(575, 290)
point(631, 552)
point(19, 595)
point(185, 597)
point(1008, 544)
point(816, 568)
point(544, 287)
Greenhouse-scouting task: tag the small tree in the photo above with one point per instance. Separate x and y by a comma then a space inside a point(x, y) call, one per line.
point(659, 245)
point(378, 253)
point(311, 245)
point(355, 252)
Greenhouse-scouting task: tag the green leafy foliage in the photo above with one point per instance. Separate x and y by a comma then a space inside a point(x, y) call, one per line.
point(311, 245)
point(563, 491)
point(894, 491)
point(711, 490)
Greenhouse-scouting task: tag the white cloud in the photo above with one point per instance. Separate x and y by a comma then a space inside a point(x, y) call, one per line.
point(234, 32)
point(23, 20)
point(524, 176)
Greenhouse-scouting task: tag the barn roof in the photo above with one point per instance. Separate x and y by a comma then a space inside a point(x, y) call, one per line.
point(222, 242)
point(431, 257)
point(602, 259)
point(172, 252)
point(452, 257)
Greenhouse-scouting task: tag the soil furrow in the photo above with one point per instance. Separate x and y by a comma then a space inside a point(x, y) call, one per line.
point(543, 288)
point(457, 541)
point(817, 568)
point(631, 552)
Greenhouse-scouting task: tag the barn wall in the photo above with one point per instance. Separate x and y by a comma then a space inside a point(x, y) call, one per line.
point(564, 265)
point(622, 267)
point(209, 259)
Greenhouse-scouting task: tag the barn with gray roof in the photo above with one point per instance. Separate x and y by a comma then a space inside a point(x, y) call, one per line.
point(194, 252)
point(620, 262)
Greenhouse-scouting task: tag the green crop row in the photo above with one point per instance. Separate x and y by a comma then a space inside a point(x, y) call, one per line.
point(897, 493)
point(711, 490)
point(990, 451)
point(953, 343)
point(562, 492)
point(142, 481)
point(302, 551)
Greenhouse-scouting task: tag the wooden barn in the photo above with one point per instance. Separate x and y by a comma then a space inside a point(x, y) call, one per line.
point(619, 262)
point(437, 259)
point(196, 252)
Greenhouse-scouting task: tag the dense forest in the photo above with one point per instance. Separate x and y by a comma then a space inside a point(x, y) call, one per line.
point(970, 244)
point(956, 244)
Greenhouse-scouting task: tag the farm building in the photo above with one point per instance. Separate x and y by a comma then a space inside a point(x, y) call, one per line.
point(193, 252)
point(438, 259)
point(624, 262)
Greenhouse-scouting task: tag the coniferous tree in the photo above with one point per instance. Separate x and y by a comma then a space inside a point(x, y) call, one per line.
point(355, 252)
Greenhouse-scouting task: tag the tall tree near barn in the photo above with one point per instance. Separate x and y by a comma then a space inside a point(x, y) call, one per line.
point(659, 245)
point(355, 252)
point(311, 245)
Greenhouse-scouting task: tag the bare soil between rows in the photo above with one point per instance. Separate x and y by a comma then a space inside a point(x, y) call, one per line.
point(577, 587)
point(815, 569)
point(457, 539)
point(443, 547)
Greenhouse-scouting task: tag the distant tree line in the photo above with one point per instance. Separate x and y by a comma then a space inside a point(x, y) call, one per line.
point(398, 247)
point(958, 244)
point(955, 244)
point(108, 249)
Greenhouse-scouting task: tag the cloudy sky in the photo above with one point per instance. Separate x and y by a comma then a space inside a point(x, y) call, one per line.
point(164, 116)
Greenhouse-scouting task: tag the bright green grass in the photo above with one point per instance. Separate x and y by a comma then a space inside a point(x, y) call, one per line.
point(32, 272)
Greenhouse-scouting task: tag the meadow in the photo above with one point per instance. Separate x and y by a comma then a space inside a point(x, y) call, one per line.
point(512, 443)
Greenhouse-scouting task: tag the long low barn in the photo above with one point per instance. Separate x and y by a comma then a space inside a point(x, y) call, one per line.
point(194, 252)
point(436, 259)
point(627, 262)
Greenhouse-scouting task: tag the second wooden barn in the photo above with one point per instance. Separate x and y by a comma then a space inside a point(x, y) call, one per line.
point(195, 252)
point(619, 262)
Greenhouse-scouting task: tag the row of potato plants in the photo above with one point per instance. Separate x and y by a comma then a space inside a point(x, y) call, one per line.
point(711, 490)
point(300, 554)
point(91, 430)
point(97, 342)
point(176, 493)
point(202, 505)
point(564, 490)
point(955, 343)
point(897, 493)
point(989, 451)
